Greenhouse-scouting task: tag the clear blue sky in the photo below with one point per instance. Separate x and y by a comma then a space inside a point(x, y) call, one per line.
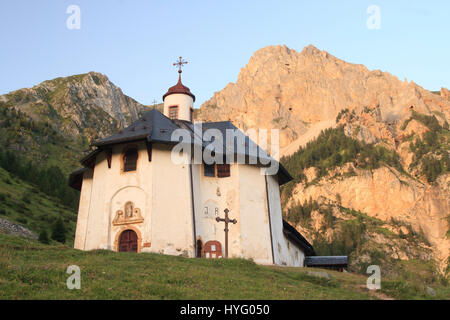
point(135, 42)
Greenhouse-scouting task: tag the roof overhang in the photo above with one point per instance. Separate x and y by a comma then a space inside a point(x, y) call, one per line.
point(292, 234)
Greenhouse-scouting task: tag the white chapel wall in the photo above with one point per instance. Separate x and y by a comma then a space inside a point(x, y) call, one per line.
point(212, 196)
point(83, 210)
point(285, 252)
point(172, 225)
point(255, 230)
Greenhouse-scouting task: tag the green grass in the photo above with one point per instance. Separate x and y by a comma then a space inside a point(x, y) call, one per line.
point(24, 204)
point(30, 270)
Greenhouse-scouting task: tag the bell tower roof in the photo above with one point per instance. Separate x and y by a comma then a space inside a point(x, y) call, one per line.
point(179, 87)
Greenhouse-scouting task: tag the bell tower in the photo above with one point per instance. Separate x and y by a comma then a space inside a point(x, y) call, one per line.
point(178, 100)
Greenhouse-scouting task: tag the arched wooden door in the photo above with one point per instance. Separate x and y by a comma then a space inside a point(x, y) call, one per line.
point(128, 241)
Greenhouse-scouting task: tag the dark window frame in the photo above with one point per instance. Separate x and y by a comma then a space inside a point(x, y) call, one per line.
point(209, 170)
point(223, 170)
point(176, 108)
point(129, 162)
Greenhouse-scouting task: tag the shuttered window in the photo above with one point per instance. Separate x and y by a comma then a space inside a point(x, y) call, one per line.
point(173, 112)
point(223, 170)
point(130, 160)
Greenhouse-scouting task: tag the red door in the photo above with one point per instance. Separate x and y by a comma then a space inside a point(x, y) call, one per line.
point(213, 250)
point(128, 241)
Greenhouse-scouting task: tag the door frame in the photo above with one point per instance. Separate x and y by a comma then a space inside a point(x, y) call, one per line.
point(125, 228)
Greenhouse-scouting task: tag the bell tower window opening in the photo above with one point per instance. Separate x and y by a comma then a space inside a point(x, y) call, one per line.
point(173, 112)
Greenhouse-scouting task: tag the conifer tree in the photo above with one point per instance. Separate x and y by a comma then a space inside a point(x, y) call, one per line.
point(43, 237)
point(59, 232)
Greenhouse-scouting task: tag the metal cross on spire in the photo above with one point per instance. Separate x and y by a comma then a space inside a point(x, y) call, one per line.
point(179, 64)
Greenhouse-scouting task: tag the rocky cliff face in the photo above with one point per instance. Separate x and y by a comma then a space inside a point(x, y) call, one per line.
point(87, 104)
point(302, 94)
point(54, 121)
point(284, 89)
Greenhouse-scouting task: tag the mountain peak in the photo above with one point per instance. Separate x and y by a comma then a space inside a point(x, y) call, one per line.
point(282, 88)
point(74, 103)
point(310, 49)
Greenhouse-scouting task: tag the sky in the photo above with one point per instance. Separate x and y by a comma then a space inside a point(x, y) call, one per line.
point(134, 43)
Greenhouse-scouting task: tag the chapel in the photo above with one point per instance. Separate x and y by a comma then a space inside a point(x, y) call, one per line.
point(135, 198)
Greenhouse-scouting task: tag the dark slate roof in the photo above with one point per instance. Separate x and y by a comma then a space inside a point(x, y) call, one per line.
point(318, 261)
point(76, 178)
point(154, 126)
point(292, 234)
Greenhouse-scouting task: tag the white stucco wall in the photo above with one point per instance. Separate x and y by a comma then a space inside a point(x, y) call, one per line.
point(184, 103)
point(83, 210)
point(220, 193)
point(285, 253)
point(255, 230)
point(172, 224)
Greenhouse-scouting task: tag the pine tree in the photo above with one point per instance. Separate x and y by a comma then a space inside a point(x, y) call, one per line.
point(43, 237)
point(59, 232)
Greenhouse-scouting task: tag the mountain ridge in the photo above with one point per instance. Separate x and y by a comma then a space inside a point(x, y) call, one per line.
point(311, 86)
point(303, 93)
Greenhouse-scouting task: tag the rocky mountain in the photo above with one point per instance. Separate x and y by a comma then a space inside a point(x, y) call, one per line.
point(68, 112)
point(377, 183)
point(76, 103)
point(284, 89)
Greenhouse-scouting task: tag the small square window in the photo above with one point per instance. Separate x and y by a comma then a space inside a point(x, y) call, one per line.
point(223, 170)
point(209, 170)
point(130, 160)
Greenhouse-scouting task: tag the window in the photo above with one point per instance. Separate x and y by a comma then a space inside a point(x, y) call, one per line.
point(173, 112)
point(223, 170)
point(130, 160)
point(209, 170)
point(191, 114)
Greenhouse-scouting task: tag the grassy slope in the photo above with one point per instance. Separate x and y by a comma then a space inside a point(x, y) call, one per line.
point(20, 202)
point(30, 270)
